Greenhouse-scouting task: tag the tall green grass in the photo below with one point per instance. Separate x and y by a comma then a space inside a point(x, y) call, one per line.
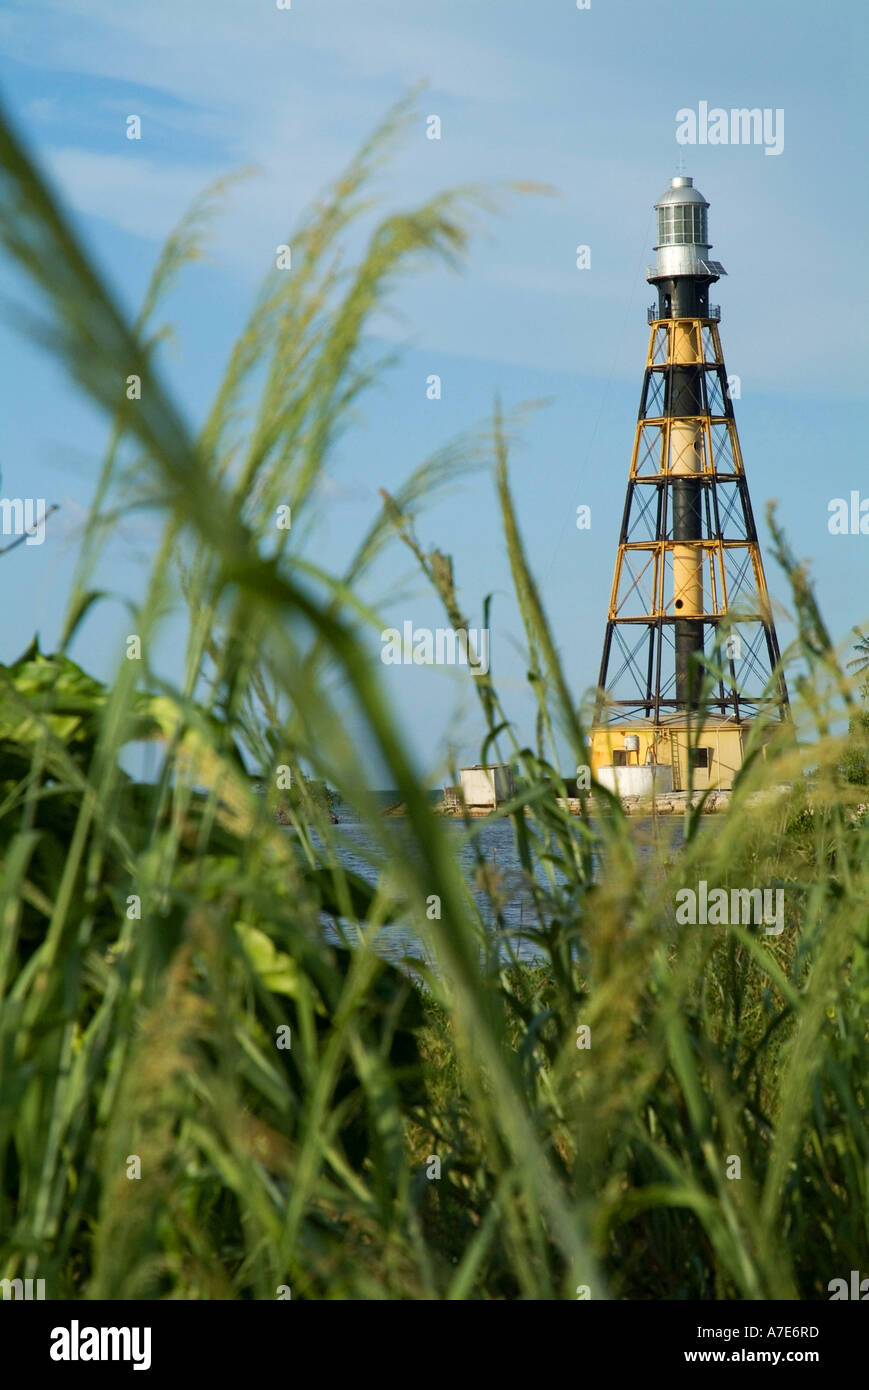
point(156, 938)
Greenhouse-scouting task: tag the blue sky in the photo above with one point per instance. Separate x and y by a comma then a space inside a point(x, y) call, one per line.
point(583, 100)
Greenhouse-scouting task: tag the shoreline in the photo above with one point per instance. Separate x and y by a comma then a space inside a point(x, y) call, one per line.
point(666, 804)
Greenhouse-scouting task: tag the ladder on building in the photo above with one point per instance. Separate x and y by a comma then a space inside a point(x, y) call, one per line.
point(674, 761)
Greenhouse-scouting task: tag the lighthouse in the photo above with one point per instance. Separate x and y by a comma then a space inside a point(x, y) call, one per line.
point(691, 662)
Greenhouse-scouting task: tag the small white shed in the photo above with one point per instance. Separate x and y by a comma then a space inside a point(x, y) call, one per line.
point(486, 786)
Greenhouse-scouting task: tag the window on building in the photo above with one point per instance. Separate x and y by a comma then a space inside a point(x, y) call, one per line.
point(700, 757)
point(620, 757)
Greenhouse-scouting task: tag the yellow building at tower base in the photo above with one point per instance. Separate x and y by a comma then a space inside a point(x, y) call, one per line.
point(673, 750)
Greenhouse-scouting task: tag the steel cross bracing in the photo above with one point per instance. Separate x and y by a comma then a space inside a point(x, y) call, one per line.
point(739, 650)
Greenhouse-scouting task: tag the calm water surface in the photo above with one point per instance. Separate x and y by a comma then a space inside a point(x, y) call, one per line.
point(495, 840)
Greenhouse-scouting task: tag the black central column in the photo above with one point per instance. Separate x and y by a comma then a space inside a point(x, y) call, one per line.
point(685, 296)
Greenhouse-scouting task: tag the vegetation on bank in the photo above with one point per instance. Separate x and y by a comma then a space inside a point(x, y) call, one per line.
point(167, 994)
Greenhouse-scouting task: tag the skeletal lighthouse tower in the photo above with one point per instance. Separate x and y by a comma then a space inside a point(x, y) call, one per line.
point(690, 658)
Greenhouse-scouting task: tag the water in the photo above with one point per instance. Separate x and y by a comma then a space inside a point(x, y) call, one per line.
point(495, 841)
